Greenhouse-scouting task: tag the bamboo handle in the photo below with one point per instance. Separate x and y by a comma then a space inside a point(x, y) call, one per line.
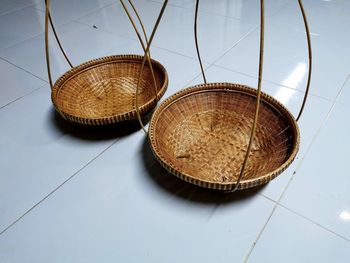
point(140, 39)
point(47, 52)
point(144, 60)
point(261, 62)
point(310, 57)
point(48, 19)
point(196, 41)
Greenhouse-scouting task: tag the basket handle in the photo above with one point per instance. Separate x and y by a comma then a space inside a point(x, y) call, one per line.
point(260, 79)
point(196, 41)
point(140, 39)
point(143, 63)
point(261, 63)
point(310, 58)
point(48, 20)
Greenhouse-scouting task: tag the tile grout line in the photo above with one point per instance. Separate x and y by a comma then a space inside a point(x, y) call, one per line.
point(57, 25)
point(5, 60)
point(271, 82)
point(315, 223)
point(234, 45)
point(115, 2)
point(21, 97)
point(277, 203)
point(57, 188)
point(15, 10)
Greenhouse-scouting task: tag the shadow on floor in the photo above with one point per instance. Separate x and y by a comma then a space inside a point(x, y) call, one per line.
point(187, 191)
point(96, 133)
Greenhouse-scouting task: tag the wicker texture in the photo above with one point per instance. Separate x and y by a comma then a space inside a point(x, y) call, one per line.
point(201, 135)
point(102, 91)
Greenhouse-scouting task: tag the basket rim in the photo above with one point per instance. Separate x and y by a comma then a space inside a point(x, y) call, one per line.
point(103, 61)
point(223, 87)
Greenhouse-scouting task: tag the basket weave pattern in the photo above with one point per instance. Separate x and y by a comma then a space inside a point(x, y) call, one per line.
point(102, 91)
point(201, 135)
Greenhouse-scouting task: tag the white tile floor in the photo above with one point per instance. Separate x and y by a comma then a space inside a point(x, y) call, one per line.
point(69, 194)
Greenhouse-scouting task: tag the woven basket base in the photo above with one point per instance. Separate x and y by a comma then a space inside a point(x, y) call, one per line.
point(201, 135)
point(103, 91)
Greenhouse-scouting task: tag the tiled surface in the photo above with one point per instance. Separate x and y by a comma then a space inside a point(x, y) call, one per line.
point(63, 11)
point(290, 238)
point(38, 153)
point(20, 25)
point(72, 194)
point(286, 58)
point(15, 83)
point(216, 34)
point(80, 42)
point(320, 189)
point(119, 210)
point(7, 6)
point(242, 10)
point(345, 94)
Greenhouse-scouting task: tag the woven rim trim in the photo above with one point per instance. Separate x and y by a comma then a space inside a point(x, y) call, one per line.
point(244, 184)
point(130, 115)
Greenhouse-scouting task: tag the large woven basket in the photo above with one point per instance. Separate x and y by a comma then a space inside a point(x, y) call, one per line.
point(102, 91)
point(201, 134)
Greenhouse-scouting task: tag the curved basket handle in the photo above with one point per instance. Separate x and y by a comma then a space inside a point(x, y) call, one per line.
point(260, 79)
point(196, 41)
point(261, 56)
point(140, 39)
point(47, 52)
point(144, 60)
point(310, 57)
point(261, 63)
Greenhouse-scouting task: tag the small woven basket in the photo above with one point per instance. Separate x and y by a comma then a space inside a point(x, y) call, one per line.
point(102, 91)
point(109, 89)
point(201, 134)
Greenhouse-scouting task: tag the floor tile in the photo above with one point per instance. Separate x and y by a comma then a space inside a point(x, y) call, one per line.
point(20, 25)
point(286, 63)
point(38, 153)
point(125, 200)
point(319, 190)
point(315, 112)
point(15, 83)
point(181, 70)
point(114, 19)
point(7, 6)
point(80, 42)
point(329, 18)
point(216, 34)
point(26, 2)
point(179, 3)
point(180, 21)
point(63, 11)
point(241, 9)
point(290, 238)
point(344, 97)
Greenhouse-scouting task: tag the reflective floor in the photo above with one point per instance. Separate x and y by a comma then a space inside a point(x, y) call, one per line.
point(72, 194)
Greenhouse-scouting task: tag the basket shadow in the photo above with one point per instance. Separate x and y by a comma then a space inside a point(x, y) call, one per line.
point(181, 189)
point(96, 133)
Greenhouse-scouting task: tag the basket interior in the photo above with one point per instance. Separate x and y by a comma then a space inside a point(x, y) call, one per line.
point(107, 89)
point(205, 136)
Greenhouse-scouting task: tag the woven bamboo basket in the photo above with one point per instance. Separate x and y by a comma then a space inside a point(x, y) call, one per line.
point(102, 91)
point(201, 135)
point(226, 136)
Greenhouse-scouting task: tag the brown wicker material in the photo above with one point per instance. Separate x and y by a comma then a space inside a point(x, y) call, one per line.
point(201, 135)
point(102, 91)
